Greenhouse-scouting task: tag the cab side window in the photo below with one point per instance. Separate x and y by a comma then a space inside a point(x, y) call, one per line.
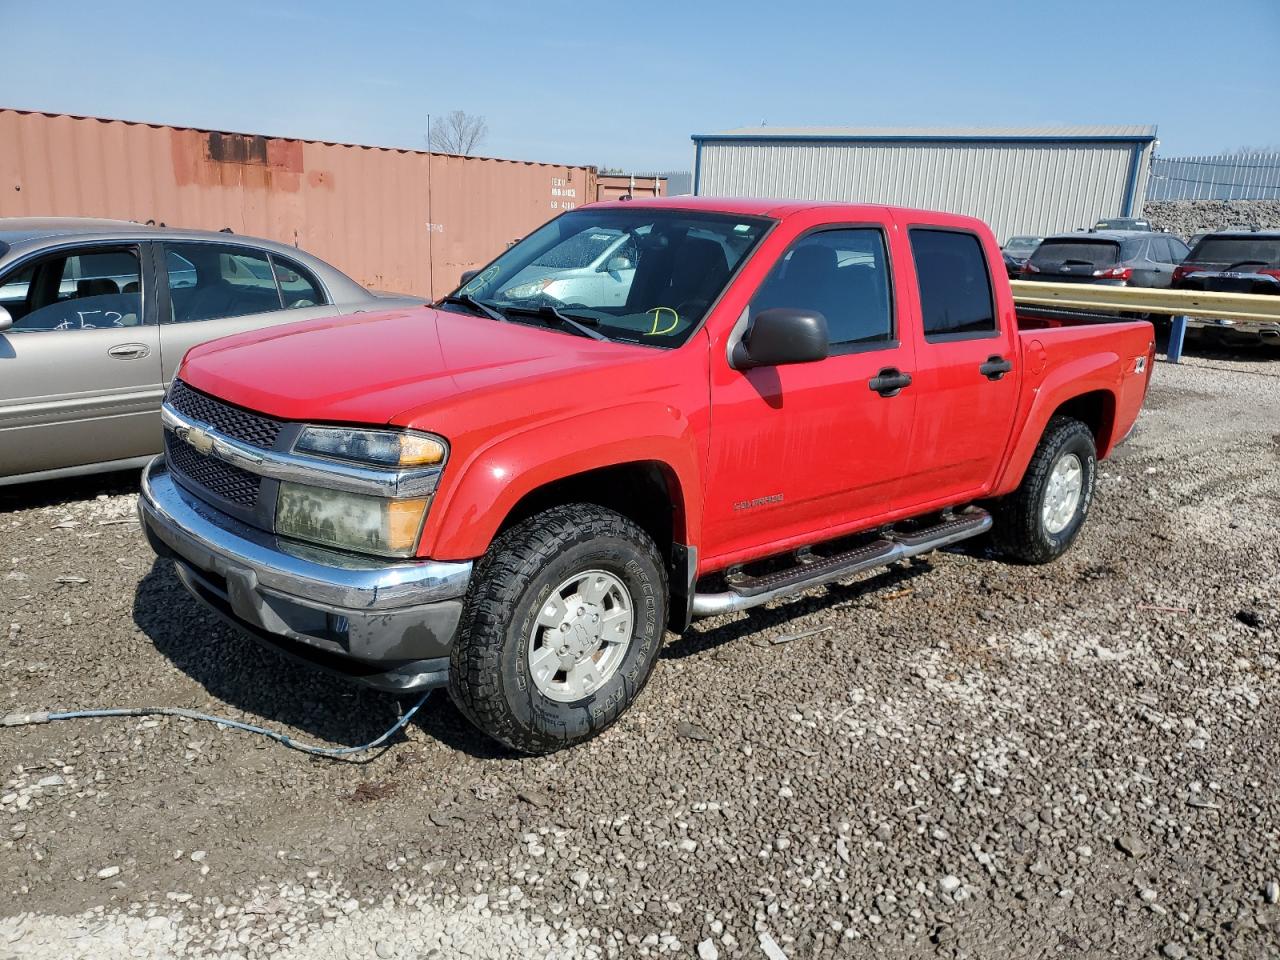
point(955, 285)
point(84, 290)
point(209, 281)
point(841, 274)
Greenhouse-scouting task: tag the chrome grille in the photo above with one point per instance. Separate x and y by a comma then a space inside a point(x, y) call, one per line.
point(235, 423)
point(217, 476)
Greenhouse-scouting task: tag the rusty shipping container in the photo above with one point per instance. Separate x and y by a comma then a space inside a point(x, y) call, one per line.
point(614, 186)
point(401, 220)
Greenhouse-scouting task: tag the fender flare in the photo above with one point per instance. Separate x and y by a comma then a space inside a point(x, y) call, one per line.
point(478, 494)
point(1096, 373)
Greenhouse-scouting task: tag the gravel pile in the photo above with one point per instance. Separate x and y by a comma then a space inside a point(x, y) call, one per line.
point(1185, 217)
point(960, 759)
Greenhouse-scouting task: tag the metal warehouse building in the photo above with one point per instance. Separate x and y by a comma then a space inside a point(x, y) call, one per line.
point(1038, 180)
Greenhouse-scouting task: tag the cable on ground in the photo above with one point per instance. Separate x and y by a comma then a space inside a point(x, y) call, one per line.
point(47, 716)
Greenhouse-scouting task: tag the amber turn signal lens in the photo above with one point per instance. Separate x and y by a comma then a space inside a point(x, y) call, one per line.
point(419, 451)
point(404, 520)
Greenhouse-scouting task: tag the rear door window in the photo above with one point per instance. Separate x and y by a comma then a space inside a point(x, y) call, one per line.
point(1136, 249)
point(209, 281)
point(298, 288)
point(955, 285)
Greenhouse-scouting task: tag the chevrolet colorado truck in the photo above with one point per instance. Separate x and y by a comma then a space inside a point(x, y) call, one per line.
point(515, 496)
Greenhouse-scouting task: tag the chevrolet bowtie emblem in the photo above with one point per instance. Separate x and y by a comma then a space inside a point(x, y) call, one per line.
point(198, 439)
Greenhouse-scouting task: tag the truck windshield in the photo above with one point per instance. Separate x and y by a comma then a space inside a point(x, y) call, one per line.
point(643, 275)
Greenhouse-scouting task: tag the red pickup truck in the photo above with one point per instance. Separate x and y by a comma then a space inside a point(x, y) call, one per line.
point(643, 413)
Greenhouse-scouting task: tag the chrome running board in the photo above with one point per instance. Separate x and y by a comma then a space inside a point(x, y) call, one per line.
point(812, 571)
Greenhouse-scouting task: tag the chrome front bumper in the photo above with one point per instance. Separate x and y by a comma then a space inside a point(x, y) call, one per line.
point(388, 624)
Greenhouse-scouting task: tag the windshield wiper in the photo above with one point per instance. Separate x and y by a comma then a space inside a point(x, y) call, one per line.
point(581, 325)
point(476, 306)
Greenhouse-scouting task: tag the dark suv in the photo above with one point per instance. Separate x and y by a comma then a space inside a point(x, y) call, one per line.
point(1115, 257)
point(1232, 262)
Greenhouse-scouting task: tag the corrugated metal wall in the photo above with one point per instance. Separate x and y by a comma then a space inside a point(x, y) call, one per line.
point(1237, 176)
point(399, 220)
point(1017, 188)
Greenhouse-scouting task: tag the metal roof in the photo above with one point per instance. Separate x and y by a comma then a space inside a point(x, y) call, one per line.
point(267, 136)
point(1111, 235)
point(15, 230)
point(1055, 133)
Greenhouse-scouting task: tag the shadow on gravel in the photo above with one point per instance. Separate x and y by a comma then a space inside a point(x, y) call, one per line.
point(44, 493)
point(271, 688)
point(780, 618)
point(1207, 345)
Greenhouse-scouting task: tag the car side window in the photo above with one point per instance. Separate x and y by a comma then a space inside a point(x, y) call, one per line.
point(1177, 249)
point(209, 281)
point(955, 284)
point(843, 275)
point(84, 290)
point(298, 288)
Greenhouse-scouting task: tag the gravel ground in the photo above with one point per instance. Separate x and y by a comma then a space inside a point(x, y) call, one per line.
point(965, 758)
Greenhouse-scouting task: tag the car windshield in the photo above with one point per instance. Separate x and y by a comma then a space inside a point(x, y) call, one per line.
point(585, 248)
point(1228, 250)
point(1021, 245)
point(642, 275)
point(1098, 253)
point(1122, 223)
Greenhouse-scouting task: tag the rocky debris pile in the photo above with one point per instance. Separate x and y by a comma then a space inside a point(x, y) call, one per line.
point(1187, 217)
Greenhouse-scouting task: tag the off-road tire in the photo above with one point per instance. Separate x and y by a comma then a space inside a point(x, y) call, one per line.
point(1019, 531)
point(489, 677)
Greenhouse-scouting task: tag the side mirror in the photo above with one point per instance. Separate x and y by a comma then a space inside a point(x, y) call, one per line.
point(617, 265)
point(780, 336)
point(6, 319)
point(468, 276)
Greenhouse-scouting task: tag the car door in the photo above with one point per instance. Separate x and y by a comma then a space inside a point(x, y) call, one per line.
point(213, 289)
point(1168, 252)
point(806, 449)
point(965, 369)
point(80, 365)
point(1145, 256)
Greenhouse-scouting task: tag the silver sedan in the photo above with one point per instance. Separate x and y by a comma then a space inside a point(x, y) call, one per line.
point(95, 316)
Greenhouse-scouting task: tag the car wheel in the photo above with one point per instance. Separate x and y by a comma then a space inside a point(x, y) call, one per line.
point(1040, 520)
point(562, 628)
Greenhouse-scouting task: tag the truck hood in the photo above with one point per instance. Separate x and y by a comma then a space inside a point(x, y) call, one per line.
point(396, 367)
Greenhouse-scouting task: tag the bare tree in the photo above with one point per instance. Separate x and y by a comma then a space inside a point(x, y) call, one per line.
point(457, 132)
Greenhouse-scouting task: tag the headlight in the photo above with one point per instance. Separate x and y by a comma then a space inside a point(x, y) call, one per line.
point(378, 448)
point(527, 291)
point(349, 521)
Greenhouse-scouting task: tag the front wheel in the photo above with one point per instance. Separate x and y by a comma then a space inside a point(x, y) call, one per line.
point(562, 628)
point(1040, 520)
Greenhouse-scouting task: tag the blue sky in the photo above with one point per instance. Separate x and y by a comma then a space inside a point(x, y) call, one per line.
point(625, 84)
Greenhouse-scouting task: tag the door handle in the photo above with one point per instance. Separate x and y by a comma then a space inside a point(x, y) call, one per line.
point(889, 382)
point(995, 367)
point(129, 351)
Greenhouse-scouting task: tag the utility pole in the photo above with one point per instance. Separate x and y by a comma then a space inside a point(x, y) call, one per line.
point(431, 224)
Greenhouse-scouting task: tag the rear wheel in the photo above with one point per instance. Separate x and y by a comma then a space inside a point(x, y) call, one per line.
point(1040, 520)
point(562, 628)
